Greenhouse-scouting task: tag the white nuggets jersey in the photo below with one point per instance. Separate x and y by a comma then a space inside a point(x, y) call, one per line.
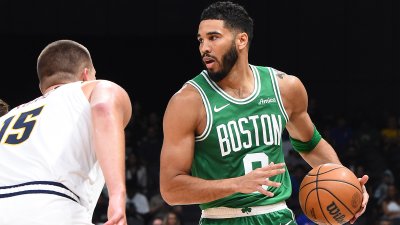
point(46, 150)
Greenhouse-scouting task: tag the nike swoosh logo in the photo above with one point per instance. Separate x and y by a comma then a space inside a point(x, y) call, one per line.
point(220, 108)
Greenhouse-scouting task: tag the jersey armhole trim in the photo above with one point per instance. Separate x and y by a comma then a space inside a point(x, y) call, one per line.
point(207, 106)
point(277, 93)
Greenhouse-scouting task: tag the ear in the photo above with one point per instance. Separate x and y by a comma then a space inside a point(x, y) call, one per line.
point(85, 74)
point(242, 40)
point(40, 87)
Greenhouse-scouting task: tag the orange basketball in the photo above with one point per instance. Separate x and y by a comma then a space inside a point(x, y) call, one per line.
point(330, 194)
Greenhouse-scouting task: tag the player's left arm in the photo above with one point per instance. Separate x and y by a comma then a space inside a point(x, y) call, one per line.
point(111, 112)
point(301, 128)
point(300, 125)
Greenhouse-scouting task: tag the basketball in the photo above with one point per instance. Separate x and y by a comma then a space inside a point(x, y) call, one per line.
point(330, 194)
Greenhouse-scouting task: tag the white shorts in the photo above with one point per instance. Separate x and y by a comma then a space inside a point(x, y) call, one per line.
point(30, 206)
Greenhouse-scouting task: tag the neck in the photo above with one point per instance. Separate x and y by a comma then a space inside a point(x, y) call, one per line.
point(239, 82)
point(239, 74)
point(51, 88)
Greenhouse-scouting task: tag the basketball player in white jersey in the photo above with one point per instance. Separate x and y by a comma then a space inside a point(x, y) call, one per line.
point(58, 150)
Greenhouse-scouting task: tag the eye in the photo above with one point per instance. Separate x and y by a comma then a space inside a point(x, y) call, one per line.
point(213, 38)
point(200, 40)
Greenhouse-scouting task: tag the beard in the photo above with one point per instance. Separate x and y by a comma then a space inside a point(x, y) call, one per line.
point(228, 61)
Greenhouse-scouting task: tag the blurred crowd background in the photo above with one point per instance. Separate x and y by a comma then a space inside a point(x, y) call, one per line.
point(365, 147)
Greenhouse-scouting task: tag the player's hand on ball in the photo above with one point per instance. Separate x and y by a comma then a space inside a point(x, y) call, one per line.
point(254, 180)
point(364, 203)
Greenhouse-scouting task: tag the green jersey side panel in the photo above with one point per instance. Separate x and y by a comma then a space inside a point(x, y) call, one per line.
point(241, 135)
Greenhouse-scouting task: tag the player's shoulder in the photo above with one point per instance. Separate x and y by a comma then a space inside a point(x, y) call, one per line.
point(108, 94)
point(186, 96)
point(290, 86)
point(185, 103)
point(102, 84)
point(279, 74)
point(287, 81)
point(104, 87)
point(187, 93)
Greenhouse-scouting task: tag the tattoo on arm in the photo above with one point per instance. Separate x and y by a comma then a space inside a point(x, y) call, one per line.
point(280, 74)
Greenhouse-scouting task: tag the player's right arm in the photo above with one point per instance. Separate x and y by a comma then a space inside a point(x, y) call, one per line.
point(183, 118)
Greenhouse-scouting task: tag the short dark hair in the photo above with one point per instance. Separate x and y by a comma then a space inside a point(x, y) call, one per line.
point(3, 107)
point(234, 16)
point(64, 58)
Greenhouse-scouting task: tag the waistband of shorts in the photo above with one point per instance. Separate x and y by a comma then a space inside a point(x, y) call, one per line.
point(225, 212)
point(38, 187)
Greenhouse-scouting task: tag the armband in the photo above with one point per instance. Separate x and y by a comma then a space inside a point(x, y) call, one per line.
point(300, 146)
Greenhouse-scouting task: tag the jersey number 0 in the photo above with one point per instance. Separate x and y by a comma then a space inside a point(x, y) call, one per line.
point(251, 158)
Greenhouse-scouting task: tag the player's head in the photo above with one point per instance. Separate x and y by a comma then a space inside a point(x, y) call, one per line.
point(225, 32)
point(3, 107)
point(64, 61)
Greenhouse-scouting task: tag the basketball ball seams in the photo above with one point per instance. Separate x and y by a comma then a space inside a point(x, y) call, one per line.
point(340, 181)
point(324, 171)
point(309, 193)
point(336, 199)
point(304, 185)
point(344, 182)
point(330, 194)
point(319, 188)
point(305, 202)
point(319, 202)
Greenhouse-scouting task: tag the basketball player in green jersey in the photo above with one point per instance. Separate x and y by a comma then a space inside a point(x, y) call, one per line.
point(222, 131)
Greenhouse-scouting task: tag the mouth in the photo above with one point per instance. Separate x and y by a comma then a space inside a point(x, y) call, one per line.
point(208, 61)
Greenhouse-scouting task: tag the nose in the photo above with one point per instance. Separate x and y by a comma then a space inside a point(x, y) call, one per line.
point(204, 48)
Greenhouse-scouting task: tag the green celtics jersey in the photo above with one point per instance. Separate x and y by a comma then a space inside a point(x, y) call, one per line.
point(240, 136)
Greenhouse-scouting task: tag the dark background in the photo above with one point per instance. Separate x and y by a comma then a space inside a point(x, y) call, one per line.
point(345, 52)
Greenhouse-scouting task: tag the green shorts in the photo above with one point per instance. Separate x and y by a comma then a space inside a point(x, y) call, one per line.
point(283, 216)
